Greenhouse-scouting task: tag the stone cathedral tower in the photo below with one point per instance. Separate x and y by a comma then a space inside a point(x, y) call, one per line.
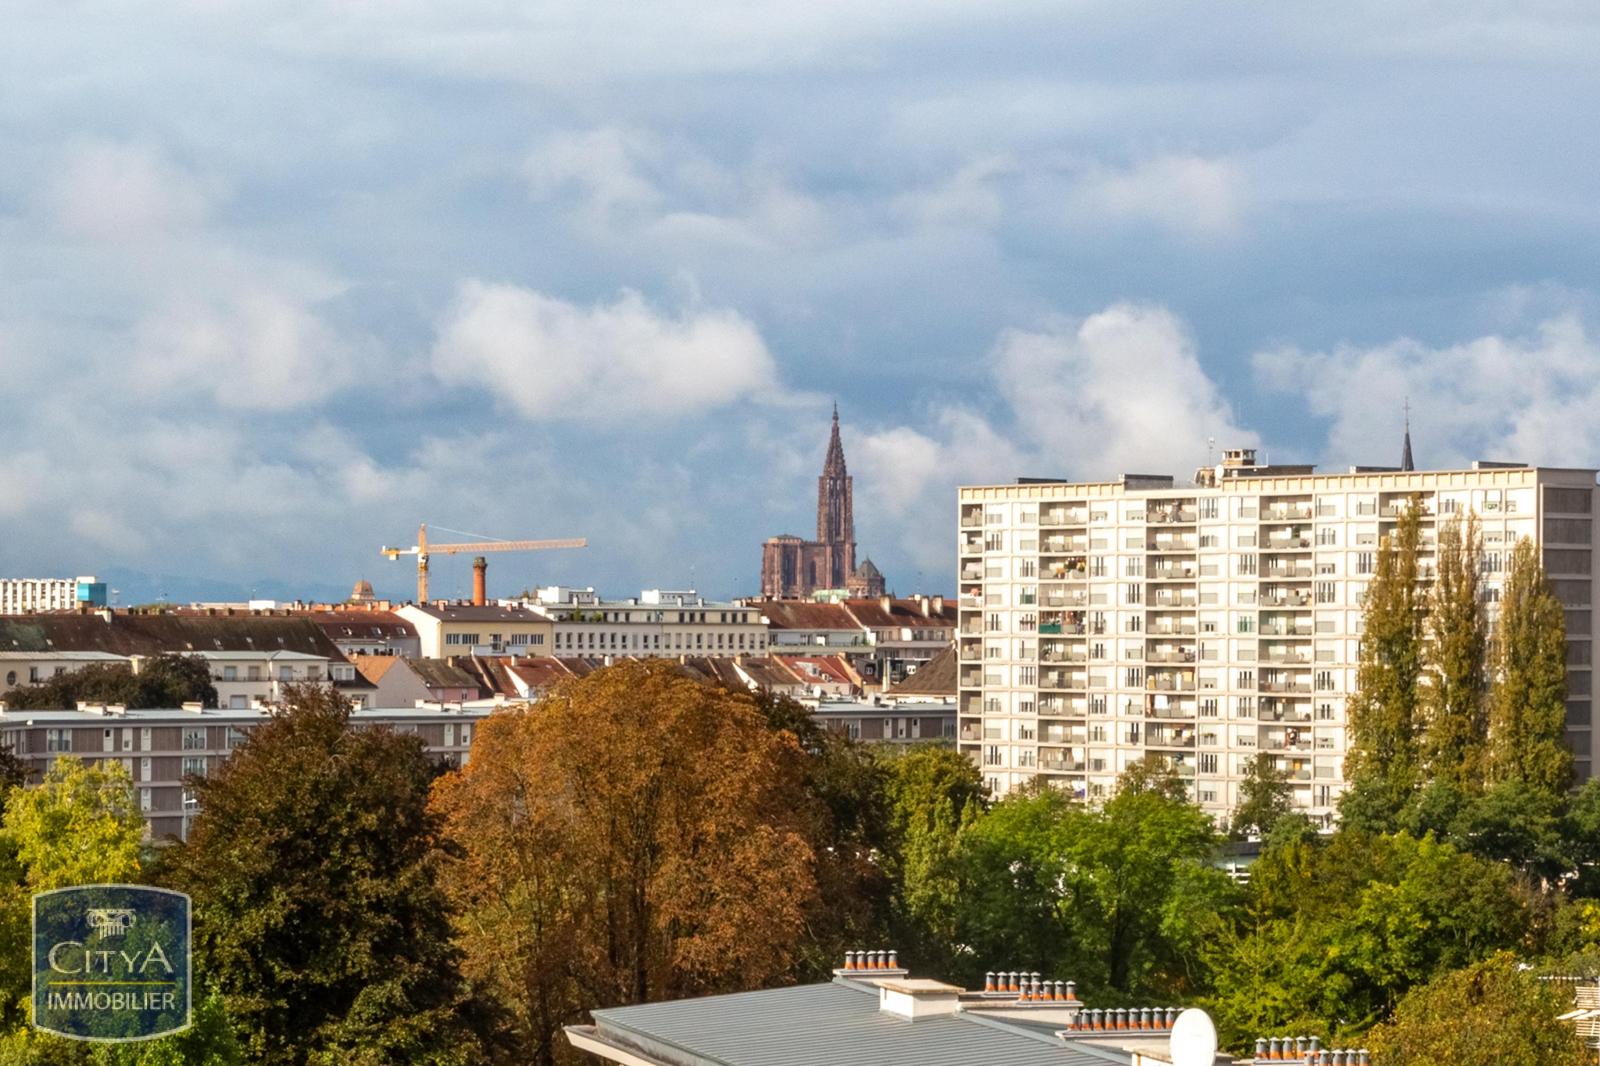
point(792, 568)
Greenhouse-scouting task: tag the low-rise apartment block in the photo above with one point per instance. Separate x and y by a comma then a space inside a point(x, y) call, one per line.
point(656, 623)
point(1203, 624)
point(445, 629)
point(161, 748)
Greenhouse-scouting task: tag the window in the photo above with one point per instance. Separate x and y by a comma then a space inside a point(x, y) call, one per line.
point(1364, 562)
point(1245, 564)
point(1208, 762)
point(1030, 568)
point(1133, 566)
point(144, 800)
point(194, 766)
point(238, 702)
point(1327, 537)
point(230, 673)
point(253, 673)
point(194, 738)
point(109, 741)
point(991, 755)
point(58, 740)
point(1132, 593)
point(1325, 592)
point(1208, 507)
point(11, 677)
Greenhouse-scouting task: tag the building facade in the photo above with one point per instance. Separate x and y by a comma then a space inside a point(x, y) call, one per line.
point(161, 748)
point(1105, 622)
point(445, 629)
point(32, 595)
point(792, 568)
point(657, 622)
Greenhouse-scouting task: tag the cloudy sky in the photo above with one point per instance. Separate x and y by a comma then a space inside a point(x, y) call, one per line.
point(280, 279)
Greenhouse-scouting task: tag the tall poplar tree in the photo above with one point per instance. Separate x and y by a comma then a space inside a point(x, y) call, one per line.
point(1527, 705)
point(1382, 763)
point(1457, 714)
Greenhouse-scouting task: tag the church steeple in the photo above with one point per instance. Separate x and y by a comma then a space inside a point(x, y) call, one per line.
point(1405, 450)
point(833, 465)
point(836, 526)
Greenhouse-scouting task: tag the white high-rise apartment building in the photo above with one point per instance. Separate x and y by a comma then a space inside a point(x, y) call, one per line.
point(1104, 622)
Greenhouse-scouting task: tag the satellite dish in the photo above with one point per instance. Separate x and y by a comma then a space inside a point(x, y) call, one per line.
point(1194, 1039)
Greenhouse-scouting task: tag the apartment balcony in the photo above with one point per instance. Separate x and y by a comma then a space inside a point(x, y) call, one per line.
point(1290, 598)
point(972, 571)
point(1273, 542)
point(1158, 740)
point(1286, 512)
point(971, 653)
point(1169, 655)
point(1064, 516)
point(1177, 515)
point(971, 677)
point(971, 733)
point(1170, 628)
point(971, 544)
point(1173, 599)
point(1289, 716)
point(971, 602)
point(1295, 687)
point(1063, 545)
point(1172, 571)
point(1061, 766)
point(1284, 657)
point(1059, 597)
point(1286, 573)
point(1063, 736)
point(972, 521)
point(1278, 629)
point(1073, 569)
point(1063, 679)
point(1064, 655)
point(1169, 682)
point(1162, 543)
point(1291, 742)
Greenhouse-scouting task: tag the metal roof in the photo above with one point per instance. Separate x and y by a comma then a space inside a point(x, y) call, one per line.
point(824, 1025)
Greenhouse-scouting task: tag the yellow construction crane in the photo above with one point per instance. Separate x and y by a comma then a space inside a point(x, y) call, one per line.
point(422, 549)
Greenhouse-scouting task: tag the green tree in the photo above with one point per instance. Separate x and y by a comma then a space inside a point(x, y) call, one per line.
point(80, 825)
point(1264, 799)
point(1491, 1013)
point(1119, 896)
point(1384, 721)
point(635, 835)
point(318, 913)
point(1527, 704)
point(162, 681)
point(931, 794)
point(1456, 711)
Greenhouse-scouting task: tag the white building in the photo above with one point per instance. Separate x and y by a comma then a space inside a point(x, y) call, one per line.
point(1107, 621)
point(34, 595)
point(657, 622)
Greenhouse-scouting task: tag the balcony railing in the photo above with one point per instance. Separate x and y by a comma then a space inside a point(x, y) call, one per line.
point(1286, 513)
point(1286, 686)
point(1174, 655)
point(1164, 683)
point(1171, 515)
point(1172, 630)
point(1061, 766)
point(1286, 599)
point(1279, 544)
point(1065, 655)
point(1170, 544)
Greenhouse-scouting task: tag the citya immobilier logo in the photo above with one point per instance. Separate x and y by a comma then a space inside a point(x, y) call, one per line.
point(111, 962)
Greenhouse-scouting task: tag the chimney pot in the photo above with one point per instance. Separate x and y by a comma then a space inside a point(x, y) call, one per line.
point(1261, 1048)
point(894, 959)
point(988, 981)
point(1072, 990)
point(1362, 1058)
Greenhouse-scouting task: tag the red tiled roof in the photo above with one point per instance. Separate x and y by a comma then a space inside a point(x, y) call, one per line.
point(936, 677)
point(871, 614)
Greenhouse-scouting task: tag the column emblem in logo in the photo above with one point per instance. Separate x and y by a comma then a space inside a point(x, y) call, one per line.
point(111, 962)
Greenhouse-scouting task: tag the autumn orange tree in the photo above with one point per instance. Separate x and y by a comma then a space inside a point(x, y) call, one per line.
point(632, 836)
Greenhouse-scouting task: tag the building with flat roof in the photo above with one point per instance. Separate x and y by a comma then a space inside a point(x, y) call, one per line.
point(1201, 625)
point(161, 748)
point(445, 629)
point(655, 623)
point(34, 595)
point(884, 1016)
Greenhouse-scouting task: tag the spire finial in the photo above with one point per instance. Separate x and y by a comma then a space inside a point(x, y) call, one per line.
point(1406, 462)
point(836, 410)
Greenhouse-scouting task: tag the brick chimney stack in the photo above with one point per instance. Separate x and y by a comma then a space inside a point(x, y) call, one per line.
point(480, 581)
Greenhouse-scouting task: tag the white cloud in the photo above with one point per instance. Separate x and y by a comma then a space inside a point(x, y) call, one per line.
point(603, 163)
point(1184, 193)
point(1528, 397)
point(256, 349)
point(1121, 391)
point(547, 358)
point(124, 192)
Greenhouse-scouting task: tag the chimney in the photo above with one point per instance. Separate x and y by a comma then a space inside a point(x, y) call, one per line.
point(480, 581)
point(886, 602)
point(938, 605)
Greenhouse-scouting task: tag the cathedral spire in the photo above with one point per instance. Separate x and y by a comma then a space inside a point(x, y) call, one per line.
point(833, 465)
point(1405, 451)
